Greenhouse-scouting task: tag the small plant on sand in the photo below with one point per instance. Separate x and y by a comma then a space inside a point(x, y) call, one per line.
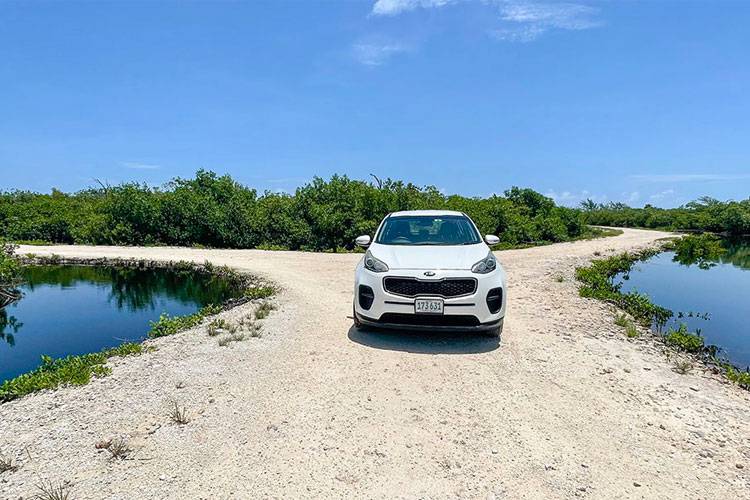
point(215, 326)
point(559, 278)
point(631, 331)
point(254, 330)
point(118, 449)
point(622, 320)
point(683, 366)
point(179, 414)
point(49, 490)
point(7, 464)
point(264, 310)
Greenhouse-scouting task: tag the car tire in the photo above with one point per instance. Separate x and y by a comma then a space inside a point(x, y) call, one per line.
point(357, 322)
point(496, 333)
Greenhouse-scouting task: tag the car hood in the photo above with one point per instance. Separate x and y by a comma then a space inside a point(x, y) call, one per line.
point(429, 256)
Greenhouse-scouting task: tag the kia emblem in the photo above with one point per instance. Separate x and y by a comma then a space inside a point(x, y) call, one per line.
point(429, 273)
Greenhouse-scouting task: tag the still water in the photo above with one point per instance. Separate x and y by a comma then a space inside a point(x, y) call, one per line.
point(79, 309)
point(718, 297)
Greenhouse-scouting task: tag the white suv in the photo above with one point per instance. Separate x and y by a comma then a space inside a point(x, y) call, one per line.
point(429, 269)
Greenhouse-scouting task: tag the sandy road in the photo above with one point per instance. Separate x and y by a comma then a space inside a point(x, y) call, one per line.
point(563, 406)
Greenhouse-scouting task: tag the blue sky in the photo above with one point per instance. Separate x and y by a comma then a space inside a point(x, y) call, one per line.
point(641, 102)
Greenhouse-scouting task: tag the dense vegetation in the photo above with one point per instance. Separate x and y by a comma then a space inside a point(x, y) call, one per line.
point(10, 269)
point(705, 214)
point(216, 211)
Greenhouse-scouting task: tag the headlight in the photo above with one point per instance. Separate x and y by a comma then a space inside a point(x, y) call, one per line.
point(486, 265)
point(373, 264)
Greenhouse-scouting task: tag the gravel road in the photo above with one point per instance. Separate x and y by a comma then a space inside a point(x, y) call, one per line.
point(564, 405)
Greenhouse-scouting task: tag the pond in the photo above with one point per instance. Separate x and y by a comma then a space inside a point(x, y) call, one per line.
point(80, 309)
point(712, 296)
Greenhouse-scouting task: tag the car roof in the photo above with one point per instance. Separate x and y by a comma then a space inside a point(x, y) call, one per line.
point(429, 213)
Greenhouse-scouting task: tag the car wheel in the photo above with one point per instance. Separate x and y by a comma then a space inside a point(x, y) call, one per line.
point(357, 322)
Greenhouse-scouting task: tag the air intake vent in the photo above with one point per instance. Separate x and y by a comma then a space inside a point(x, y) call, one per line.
point(366, 297)
point(446, 287)
point(495, 300)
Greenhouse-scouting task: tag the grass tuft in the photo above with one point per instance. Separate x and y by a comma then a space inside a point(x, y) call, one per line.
point(622, 320)
point(118, 449)
point(631, 331)
point(683, 366)
point(179, 414)
point(48, 490)
point(264, 310)
point(7, 464)
point(216, 325)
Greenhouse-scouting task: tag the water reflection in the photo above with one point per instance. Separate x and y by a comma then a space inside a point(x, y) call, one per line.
point(9, 326)
point(131, 288)
point(79, 309)
point(708, 252)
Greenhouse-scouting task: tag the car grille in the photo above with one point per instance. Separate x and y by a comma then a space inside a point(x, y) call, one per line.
point(429, 319)
point(447, 287)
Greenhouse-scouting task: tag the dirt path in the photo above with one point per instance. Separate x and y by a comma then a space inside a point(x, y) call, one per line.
point(564, 406)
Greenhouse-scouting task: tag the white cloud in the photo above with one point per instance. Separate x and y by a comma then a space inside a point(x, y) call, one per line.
point(376, 54)
point(520, 20)
point(661, 195)
point(570, 198)
point(632, 197)
point(140, 166)
point(527, 21)
point(394, 7)
point(689, 177)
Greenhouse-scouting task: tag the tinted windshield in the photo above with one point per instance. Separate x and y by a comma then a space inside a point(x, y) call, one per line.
point(428, 230)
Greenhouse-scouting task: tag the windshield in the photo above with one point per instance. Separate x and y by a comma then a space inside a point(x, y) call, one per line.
point(428, 230)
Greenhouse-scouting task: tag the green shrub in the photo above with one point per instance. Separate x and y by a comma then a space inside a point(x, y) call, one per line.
point(259, 292)
point(10, 269)
point(71, 370)
point(684, 340)
point(169, 325)
point(739, 377)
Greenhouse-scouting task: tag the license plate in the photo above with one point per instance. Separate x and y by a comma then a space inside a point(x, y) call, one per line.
point(428, 306)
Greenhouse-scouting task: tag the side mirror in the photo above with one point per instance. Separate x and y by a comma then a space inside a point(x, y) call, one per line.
point(491, 239)
point(363, 241)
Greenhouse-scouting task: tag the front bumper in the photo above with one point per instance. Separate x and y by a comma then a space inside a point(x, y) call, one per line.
point(482, 327)
point(468, 312)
